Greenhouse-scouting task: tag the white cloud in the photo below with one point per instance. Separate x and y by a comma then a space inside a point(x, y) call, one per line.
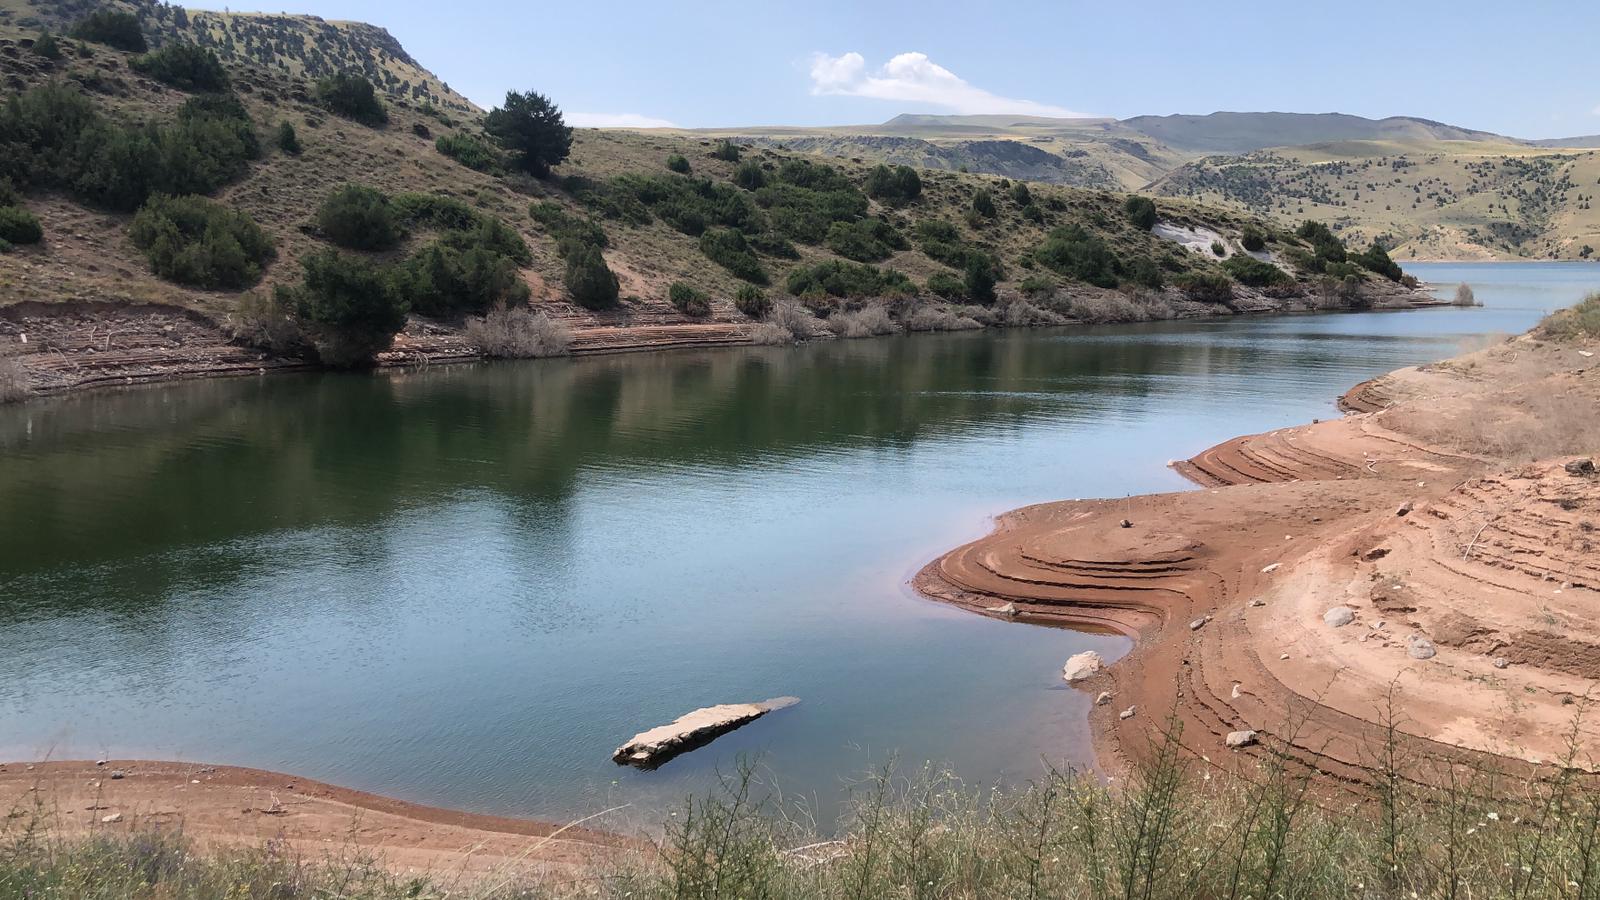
point(615, 120)
point(914, 78)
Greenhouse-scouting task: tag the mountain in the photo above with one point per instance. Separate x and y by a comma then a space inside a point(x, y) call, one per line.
point(1242, 132)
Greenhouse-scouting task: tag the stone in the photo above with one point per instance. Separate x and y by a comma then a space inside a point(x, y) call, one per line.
point(1082, 665)
point(1420, 648)
point(1338, 617)
point(1284, 656)
point(1127, 713)
point(1237, 739)
point(1375, 554)
point(1500, 662)
point(1258, 602)
point(1405, 508)
point(1103, 699)
point(1270, 569)
point(1010, 609)
point(1580, 467)
point(649, 749)
point(117, 774)
point(111, 819)
point(1199, 623)
point(1125, 523)
point(1237, 691)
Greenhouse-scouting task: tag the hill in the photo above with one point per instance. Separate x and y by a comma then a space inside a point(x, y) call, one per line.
point(1242, 132)
point(701, 243)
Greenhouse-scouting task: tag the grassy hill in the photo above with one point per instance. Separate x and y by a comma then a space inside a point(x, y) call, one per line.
point(1425, 199)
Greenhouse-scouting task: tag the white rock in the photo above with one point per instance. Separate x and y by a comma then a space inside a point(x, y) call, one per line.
point(1238, 739)
point(1284, 656)
point(1127, 713)
point(1339, 616)
point(1500, 662)
point(1237, 693)
point(1010, 609)
point(108, 820)
point(1103, 699)
point(1082, 665)
point(1271, 568)
point(1420, 648)
point(1199, 623)
point(1258, 602)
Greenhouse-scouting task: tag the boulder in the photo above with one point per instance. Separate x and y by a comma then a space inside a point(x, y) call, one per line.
point(1103, 699)
point(1237, 739)
point(1420, 648)
point(649, 749)
point(1338, 617)
point(1199, 623)
point(1082, 665)
point(1127, 713)
point(1500, 662)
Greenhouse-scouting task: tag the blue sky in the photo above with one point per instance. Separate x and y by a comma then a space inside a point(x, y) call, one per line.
point(1524, 69)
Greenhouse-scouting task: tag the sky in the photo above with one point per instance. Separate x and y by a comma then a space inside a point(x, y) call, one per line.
point(1523, 69)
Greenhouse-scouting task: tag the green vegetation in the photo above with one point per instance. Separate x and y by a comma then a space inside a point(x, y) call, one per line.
point(978, 279)
point(1573, 323)
point(728, 248)
point(358, 217)
point(287, 140)
point(897, 186)
point(46, 46)
point(196, 241)
point(750, 176)
point(352, 96)
point(449, 278)
point(1210, 287)
point(352, 307)
point(1252, 238)
point(18, 226)
point(183, 66)
point(946, 285)
point(565, 227)
point(752, 301)
point(983, 204)
point(1079, 254)
point(1250, 271)
point(1141, 211)
point(835, 278)
point(679, 163)
point(591, 283)
point(1376, 259)
point(689, 300)
point(470, 151)
point(531, 129)
point(113, 28)
point(865, 240)
point(727, 151)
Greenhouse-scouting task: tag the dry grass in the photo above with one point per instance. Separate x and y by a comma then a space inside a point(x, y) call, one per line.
point(13, 379)
point(1465, 296)
point(1100, 309)
point(796, 320)
point(258, 321)
point(871, 320)
point(932, 317)
point(1545, 419)
point(518, 333)
point(1573, 323)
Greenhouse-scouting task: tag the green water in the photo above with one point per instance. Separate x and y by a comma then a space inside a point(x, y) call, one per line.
point(467, 585)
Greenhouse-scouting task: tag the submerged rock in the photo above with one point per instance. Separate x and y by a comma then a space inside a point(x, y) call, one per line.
point(1082, 665)
point(649, 749)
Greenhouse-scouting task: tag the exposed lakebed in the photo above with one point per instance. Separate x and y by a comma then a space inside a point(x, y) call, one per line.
point(466, 586)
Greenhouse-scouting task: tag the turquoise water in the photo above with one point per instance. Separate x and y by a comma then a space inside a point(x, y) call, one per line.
point(465, 586)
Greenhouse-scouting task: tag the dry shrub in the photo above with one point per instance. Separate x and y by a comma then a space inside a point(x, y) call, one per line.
point(987, 316)
point(1020, 313)
point(1464, 296)
point(771, 334)
point(939, 318)
point(1580, 321)
point(1536, 422)
point(1097, 309)
point(13, 379)
point(795, 319)
point(871, 320)
point(260, 321)
point(518, 333)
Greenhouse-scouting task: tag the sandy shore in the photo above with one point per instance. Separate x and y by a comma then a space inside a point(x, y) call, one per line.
point(227, 806)
point(1471, 576)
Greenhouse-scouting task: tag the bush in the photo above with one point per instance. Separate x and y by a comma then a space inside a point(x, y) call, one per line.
point(566, 227)
point(1035, 285)
point(1143, 271)
point(865, 240)
point(442, 280)
point(1020, 194)
point(1327, 246)
point(835, 278)
point(1574, 322)
point(679, 163)
point(18, 226)
point(691, 205)
point(1254, 272)
point(897, 186)
point(358, 217)
point(268, 322)
point(1465, 296)
point(183, 66)
point(929, 317)
point(978, 279)
point(1376, 259)
point(470, 151)
point(1079, 254)
point(421, 130)
point(47, 46)
point(13, 379)
point(518, 333)
point(1141, 211)
point(726, 150)
point(591, 283)
point(532, 130)
point(946, 285)
point(983, 204)
point(1218, 248)
point(490, 234)
point(727, 248)
point(871, 320)
point(351, 306)
point(195, 241)
point(1253, 239)
point(752, 301)
point(689, 300)
point(352, 96)
point(750, 176)
point(287, 140)
point(1210, 287)
point(112, 28)
point(1033, 213)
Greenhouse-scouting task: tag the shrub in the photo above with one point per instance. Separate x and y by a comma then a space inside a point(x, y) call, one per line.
point(978, 279)
point(1079, 254)
point(836, 278)
point(351, 306)
point(983, 204)
point(897, 186)
point(360, 218)
point(439, 211)
point(946, 285)
point(1376, 259)
point(1020, 194)
point(726, 150)
point(352, 96)
point(1465, 296)
point(518, 333)
point(1033, 213)
point(192, 240)
point(1210, 287)
point(18, 226)
point(1218, 248)
point(689, 300)
point(532, 130)
point(287, 140)
point(750, 176)
point(1143, 271)
point(752, 301)
point(1253, 239)
point(727, 248)
point(112, 28)
point(865, 240)
point(421, 130)
point(268, 321)
point(183, 66)
point(589, 280)
point(871, 320)
point(469, 151)
point(679, 163)
point(47, 46)
point(566, 227)
point(1141, 211)
point(1254, 272)
point(691, 205)
point(1035, 285)
point(1579, 321)
point(13, 379)
point(929, 317)
point(1324, 243)
point(772, 244)
point(490, 234)
point(443, 280)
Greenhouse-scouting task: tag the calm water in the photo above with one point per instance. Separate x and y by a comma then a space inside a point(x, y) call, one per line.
point(466, 586)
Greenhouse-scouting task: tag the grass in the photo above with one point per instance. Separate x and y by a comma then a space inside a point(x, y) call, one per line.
point(1579, 322)
point(518, 333)
point(13, 379)
point(1173, 827)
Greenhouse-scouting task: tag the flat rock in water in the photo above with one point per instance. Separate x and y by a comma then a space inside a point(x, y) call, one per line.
point(649, 749)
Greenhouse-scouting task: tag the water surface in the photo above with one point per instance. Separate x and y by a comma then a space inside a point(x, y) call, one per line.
point(467, 585)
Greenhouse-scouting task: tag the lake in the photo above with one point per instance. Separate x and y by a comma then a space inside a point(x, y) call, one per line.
point(466, 585)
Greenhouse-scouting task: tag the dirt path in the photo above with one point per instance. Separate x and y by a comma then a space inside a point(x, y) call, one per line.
point(222, 805)
point(1471, 579)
